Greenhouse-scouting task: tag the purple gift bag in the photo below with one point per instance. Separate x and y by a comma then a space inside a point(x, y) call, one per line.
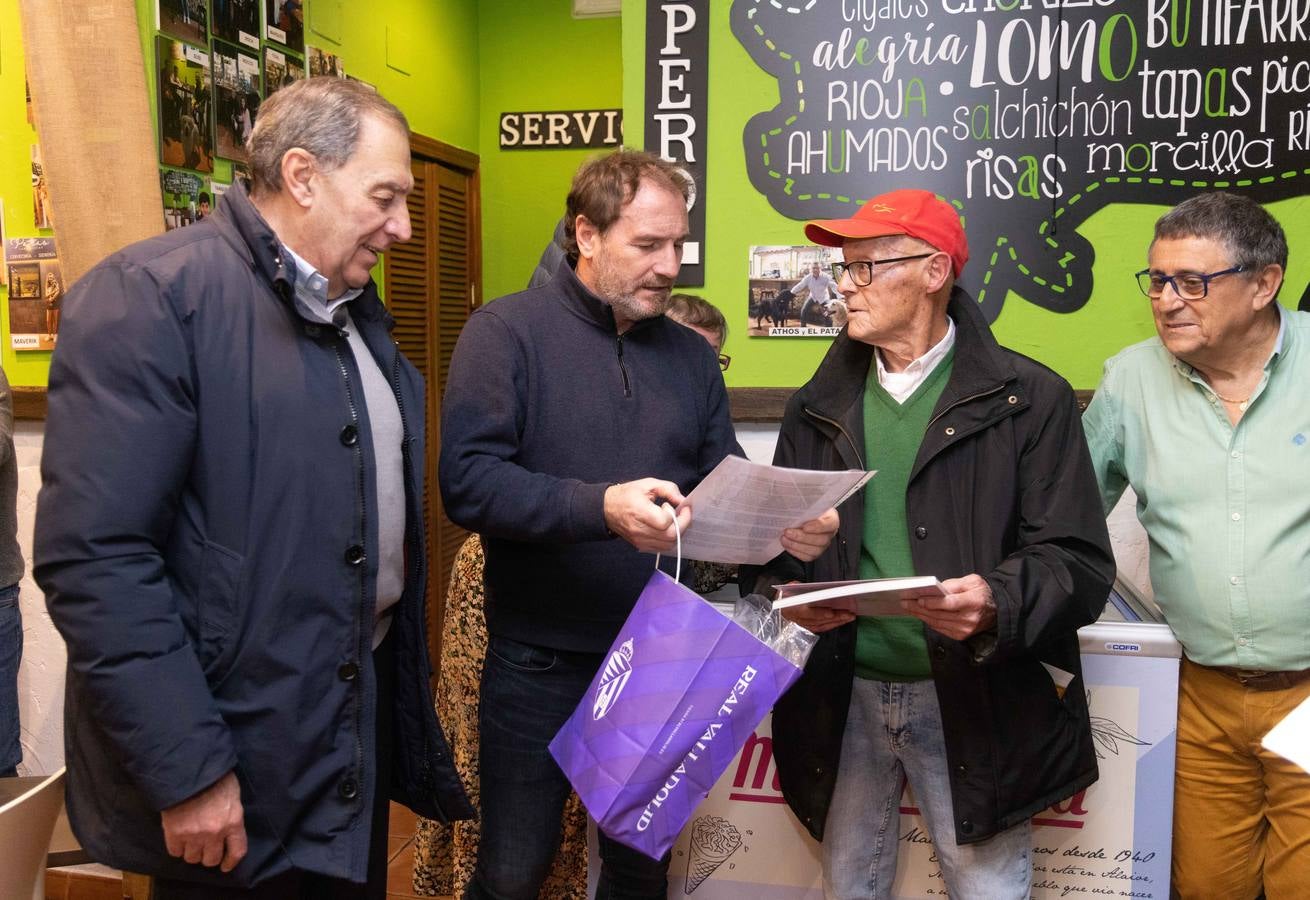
point(681, 690)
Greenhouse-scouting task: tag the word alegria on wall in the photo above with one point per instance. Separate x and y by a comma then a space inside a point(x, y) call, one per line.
point(1028, 115)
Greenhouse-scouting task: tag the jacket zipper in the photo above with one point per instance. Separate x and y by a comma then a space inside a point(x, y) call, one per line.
point(842, 568)
point(964, 400)
point(627, 385)
point(412, 549)
point(363, 518)
point(838, 425)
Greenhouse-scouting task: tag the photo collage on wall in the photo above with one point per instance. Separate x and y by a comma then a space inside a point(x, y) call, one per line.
point(216, 61)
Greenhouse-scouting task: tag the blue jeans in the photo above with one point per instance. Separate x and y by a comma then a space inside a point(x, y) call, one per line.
point(894, 731)
point(527, 694)
point(11, 654)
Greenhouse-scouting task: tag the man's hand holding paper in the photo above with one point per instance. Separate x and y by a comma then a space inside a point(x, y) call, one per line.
point(817, 617)
point(966, 610)
point(634, 511)
point(807, 541)
point(747, 513)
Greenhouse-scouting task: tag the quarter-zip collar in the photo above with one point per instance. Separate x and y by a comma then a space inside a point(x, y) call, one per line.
point(579, 300)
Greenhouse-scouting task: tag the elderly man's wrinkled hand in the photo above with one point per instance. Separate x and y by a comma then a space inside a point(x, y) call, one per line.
point(967, 609)
point(208, 828)
point(807, 541)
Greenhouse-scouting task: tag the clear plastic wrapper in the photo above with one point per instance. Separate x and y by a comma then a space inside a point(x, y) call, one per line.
point(756, 614)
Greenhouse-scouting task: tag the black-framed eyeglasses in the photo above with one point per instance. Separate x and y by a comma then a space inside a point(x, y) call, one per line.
point(724, 361)
point(1187, 285)
point(861, 270)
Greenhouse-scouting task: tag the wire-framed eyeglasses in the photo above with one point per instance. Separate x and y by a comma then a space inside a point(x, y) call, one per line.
point(1187, 285)
point(861, 270)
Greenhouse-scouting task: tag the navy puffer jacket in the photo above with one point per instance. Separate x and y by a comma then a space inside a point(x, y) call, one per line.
point(206, 538)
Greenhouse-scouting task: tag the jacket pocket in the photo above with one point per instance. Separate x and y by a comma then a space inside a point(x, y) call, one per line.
point(216, 601)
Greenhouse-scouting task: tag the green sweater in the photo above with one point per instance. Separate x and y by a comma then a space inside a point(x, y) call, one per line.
point(892, 648)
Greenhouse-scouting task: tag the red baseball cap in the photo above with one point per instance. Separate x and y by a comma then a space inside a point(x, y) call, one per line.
point(920, 214)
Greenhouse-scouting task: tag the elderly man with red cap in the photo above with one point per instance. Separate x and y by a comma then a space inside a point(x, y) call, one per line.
point(975, 697)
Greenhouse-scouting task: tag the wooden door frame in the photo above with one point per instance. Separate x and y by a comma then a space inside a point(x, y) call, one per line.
point(424, 149)
point(431, 149)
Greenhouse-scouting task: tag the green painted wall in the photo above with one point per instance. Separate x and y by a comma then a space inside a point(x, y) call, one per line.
point(535, 56)
point(468, 61)
point(16, 139)
point(737, 217)
point(437, 40)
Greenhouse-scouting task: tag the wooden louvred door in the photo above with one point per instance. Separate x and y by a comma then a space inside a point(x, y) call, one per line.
point(432, 285)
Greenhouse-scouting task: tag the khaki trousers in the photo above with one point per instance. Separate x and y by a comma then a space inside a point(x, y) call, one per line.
point(1241, 812)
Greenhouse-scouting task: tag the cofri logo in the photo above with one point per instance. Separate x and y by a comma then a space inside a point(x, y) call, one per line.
point(1124, 648)
point(618, 669)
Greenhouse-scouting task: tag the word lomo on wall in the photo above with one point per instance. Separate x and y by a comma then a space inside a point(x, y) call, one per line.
point(1028, 115)
point(677, 57)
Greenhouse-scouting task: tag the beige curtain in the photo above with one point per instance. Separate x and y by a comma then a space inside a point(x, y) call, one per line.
point(92, 118)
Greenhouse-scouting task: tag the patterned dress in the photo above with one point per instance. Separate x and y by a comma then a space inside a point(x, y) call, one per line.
point(445, 855)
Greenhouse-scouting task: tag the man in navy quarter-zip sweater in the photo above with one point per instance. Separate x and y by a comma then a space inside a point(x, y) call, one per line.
point(572, 412)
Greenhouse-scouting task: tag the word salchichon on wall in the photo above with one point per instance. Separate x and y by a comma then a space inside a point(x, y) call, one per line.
point(1029, 115)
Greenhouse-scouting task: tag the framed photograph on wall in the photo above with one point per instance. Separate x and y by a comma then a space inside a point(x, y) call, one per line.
point(186, 20)
point(793, 292)
point(188, 197)
point(236, 99)
point(323, 63)
point(280, 70)
point(284, 23)
point(236, 21)
point(41, 214)
point(36, 291)
point(186, 132)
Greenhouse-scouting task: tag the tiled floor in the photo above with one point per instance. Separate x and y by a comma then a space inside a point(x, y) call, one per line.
point(83, 884)
point(400, 871)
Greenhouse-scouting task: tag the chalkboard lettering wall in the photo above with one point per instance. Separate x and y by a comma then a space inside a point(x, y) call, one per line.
point(1028, 115)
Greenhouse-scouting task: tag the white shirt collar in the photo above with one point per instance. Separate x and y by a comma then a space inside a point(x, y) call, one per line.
point(900, 385)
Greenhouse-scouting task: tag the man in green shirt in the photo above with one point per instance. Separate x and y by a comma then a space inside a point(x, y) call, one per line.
point(984, 481)
point(1209, 423)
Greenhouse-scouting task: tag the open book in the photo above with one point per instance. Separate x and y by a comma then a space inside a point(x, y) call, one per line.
point(872, 597)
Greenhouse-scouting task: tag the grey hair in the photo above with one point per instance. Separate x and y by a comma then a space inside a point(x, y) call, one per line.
point(321, 115)
point(1244, 227)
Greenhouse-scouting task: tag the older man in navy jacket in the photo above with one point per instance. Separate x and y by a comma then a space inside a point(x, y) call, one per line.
point(230, 533)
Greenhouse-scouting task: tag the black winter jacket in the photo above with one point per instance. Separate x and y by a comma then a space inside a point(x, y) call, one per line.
point(1003, 487)
point(206, 536)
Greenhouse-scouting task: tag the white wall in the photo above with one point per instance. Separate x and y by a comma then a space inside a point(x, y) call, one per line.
point(41, 678)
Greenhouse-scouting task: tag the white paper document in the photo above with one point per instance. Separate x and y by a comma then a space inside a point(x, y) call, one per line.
point(738, 513)
point(870, 597)
point(1290, 738)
